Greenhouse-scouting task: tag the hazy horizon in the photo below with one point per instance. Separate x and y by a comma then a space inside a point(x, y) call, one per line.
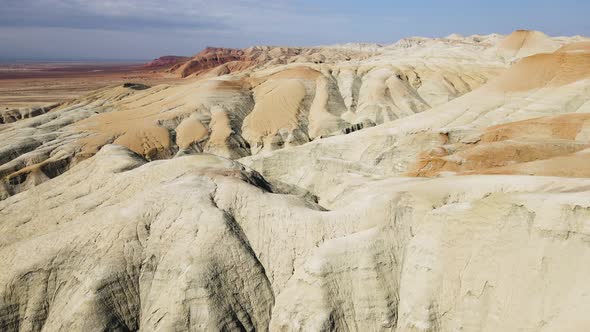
point(33, 60)
point(134, 30)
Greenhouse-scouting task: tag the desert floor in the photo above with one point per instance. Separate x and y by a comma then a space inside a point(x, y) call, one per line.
point(43, 83)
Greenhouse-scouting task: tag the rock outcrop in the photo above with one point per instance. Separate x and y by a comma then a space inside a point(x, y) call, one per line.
point(167, 61)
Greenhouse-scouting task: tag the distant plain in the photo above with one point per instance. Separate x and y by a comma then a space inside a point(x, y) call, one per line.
point(29, 84)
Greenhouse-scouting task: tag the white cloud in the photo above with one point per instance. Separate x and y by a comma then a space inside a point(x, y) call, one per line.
point(154, 27)
point(149, 13)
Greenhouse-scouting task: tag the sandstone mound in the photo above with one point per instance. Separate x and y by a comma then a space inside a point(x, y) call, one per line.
point(546, 70)
point(579, 47)
point(542, 146)
point(522, 43)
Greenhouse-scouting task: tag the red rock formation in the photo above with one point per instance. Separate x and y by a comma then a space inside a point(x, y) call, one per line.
point(209, 58)
point(166, 61)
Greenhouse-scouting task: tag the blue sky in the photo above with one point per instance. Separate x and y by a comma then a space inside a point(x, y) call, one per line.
point(144, 29)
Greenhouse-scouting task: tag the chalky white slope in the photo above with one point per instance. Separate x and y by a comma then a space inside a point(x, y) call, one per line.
point(469, 212)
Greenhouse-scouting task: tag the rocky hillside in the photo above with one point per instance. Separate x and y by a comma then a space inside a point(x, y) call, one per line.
point(166, 61)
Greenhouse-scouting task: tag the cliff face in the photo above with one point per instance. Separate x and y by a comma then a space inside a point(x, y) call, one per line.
point(209, 58)
point(429, 185)
point(216, 61)
point(166, 61)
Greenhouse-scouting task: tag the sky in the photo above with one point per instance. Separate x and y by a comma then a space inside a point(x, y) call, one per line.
point(147, 29)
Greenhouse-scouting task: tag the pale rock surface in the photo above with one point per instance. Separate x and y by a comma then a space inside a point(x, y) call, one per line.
point(206, 245)
point(428, 185)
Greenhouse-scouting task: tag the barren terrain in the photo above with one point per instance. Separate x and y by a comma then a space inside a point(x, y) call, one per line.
point(41, 83)
point(434, 184)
